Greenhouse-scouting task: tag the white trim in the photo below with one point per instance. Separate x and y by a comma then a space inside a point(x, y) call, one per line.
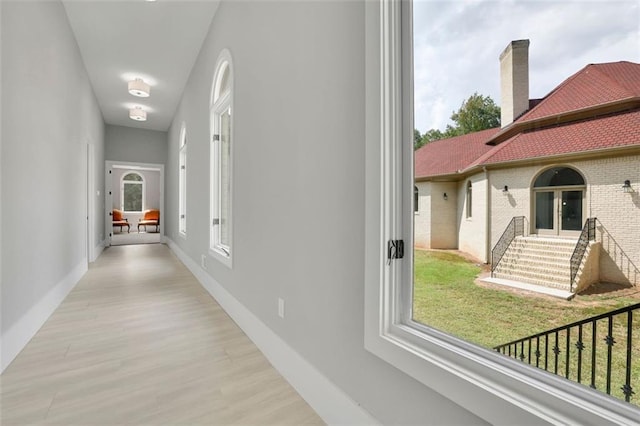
point(182, 181)
point(498, 389)
point(219, 104)
point(329, 401)
point(21, 332)
point(108, 178)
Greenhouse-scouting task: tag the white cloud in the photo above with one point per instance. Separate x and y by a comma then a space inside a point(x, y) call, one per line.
point(457, 44)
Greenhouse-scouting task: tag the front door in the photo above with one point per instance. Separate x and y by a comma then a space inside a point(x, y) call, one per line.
point(559, 211)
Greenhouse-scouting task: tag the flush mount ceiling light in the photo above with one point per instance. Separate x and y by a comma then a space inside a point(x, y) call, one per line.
point(139, 88)
point(138, 114)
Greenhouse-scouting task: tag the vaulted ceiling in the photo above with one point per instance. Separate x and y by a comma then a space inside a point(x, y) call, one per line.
point(157, 41)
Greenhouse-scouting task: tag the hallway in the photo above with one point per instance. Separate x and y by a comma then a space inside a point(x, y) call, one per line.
point(139, 341)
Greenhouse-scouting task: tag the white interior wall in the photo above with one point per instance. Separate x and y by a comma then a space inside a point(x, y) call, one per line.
point(298, 200)
point(53, 115)
point(135, 145)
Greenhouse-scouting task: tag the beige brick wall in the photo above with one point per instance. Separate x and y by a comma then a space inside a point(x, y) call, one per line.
point(435, 223)
point(618, 212)
point(422, 219)
point(473, 230)
point(444, 228)
point(515, 202)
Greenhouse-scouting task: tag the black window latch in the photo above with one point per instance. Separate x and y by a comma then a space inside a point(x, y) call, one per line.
point(395, 249)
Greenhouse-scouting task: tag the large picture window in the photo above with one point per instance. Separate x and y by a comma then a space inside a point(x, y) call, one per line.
point(132, 192)
point(222, 160)
point(499, 389)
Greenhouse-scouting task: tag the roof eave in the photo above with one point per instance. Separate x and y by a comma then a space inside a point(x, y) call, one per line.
point(620, 105)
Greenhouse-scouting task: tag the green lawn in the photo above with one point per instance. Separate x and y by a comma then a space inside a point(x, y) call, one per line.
point(447, 298)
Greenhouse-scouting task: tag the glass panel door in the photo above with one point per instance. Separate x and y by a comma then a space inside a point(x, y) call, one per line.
point(571, 211)
point(544, 211)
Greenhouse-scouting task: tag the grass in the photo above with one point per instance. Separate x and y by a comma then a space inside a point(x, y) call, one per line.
point(447, 298)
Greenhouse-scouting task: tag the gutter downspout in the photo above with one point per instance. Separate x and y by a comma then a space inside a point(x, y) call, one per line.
point(488, 217)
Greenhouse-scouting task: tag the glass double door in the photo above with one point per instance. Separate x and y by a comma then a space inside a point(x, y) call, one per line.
point(558, 211)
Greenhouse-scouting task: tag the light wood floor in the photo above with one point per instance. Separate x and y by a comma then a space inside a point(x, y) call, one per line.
point(139, 341)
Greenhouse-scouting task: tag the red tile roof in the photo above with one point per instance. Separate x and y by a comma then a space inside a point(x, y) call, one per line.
point(594, 85)
point(614, 131)
point(448, 156)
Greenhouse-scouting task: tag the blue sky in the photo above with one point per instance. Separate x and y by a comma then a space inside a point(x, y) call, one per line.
point(457, 44)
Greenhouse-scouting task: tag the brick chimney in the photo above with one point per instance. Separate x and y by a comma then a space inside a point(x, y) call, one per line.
point(514, 81)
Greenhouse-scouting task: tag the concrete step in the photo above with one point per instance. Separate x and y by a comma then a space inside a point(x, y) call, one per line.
point(538, 260)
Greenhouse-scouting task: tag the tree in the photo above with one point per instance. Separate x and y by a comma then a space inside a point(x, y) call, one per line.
point(476, 113)
point(417, 139)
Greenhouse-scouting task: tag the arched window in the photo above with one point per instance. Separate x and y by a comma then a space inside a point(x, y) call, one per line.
point(221, 159)
point(182, 182)
point(558, 176)
point(132, 192)
point(469, 200)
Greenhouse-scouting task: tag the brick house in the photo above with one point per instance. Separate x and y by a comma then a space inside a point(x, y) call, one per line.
point(555, 162)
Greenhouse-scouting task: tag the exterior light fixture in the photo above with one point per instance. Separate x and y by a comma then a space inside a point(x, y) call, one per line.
point(505, 190)
point(626, 188)
point(139, 88)
point(138, 114)
point(445, 196)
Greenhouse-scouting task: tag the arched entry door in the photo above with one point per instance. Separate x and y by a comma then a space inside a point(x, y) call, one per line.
point(558, 198)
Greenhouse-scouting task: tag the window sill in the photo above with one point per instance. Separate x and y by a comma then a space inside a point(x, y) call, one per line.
point(221, 256)
point(480, 380)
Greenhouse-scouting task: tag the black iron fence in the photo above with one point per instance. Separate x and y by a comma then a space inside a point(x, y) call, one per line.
point(514, 229)
point(588, 234)
point(602, 352)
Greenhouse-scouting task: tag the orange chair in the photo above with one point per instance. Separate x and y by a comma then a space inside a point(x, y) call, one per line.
point(150, 217)
point(119, 220)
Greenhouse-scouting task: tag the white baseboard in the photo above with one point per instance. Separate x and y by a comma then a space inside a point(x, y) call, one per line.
point(97, 250)
point(17, 337)
point(330, 402)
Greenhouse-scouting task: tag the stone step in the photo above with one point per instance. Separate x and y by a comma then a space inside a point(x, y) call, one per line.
point(535, 258)
point(542, 281)
point(539, 261)
point(542, 249)
point(549, 272)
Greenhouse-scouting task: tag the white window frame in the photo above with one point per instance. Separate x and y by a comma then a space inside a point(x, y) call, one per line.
point(182, 182)
point(132, 182)
point(220, 103)
point(496, 388)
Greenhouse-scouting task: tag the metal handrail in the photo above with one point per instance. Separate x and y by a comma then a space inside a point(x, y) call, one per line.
point(524, 348)
point(514, 228)
point(588, 234)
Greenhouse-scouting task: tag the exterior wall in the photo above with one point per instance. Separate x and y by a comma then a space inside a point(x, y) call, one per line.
point(473, 230)
point(618, 212)
point(444, 224)
point(516, 202)
point(422, 218)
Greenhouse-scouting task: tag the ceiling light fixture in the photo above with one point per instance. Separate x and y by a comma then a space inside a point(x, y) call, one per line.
point(138, 114)
point(139, 88)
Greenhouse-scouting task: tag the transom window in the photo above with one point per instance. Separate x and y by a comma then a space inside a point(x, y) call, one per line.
point(132, 192)
point(559, 176)
point(221, 160)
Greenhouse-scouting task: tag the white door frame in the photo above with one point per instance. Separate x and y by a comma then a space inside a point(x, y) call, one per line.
point(108, 192)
